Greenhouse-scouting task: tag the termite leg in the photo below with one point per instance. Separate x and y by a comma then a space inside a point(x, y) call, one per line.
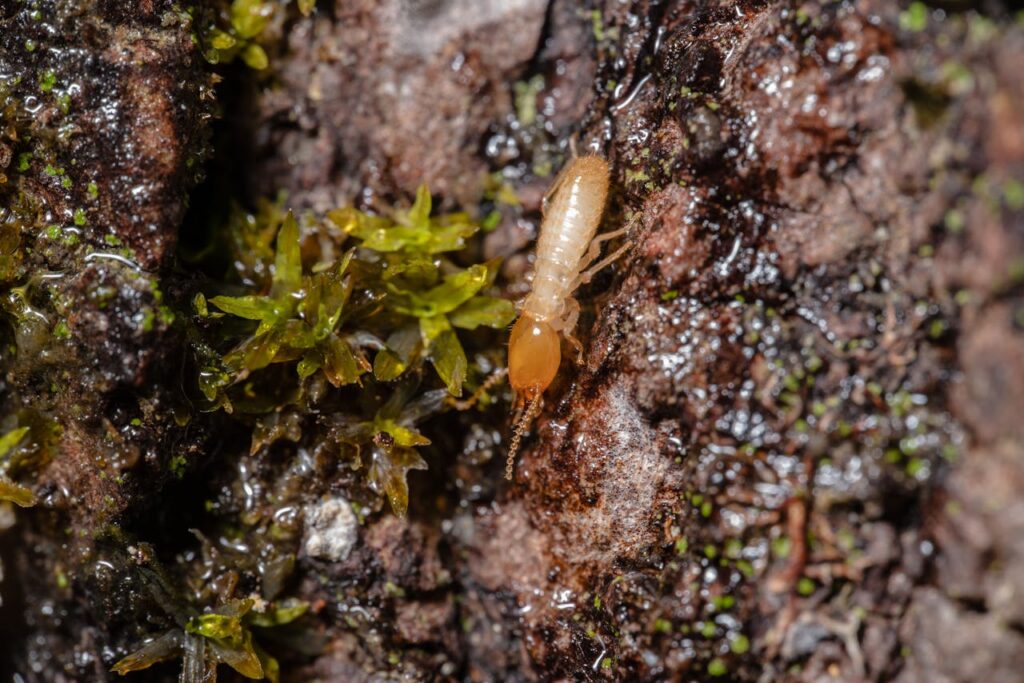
point(587, 275)
point(555, 184)
point(594, 250)
point(569, 324)
point(523, 424)
point(475, 397)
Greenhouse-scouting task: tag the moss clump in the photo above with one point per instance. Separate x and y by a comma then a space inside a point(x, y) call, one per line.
point(237, 30)
point(25, 446)
point(336, 331)
point(205, 621)
point(224, 636)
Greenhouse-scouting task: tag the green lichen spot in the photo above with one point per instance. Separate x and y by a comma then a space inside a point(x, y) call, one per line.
point(781, 547)
point(915, 17)
point(597, 25)
point(1013, 194)
point(717, 668)
point(47, 81)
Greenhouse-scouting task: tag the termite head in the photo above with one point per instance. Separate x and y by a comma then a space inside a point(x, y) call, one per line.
point(533, 357)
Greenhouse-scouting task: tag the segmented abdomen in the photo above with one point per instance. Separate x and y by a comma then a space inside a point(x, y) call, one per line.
point(570, 223)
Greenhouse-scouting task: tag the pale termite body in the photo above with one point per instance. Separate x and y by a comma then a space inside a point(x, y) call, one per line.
point(567, 245)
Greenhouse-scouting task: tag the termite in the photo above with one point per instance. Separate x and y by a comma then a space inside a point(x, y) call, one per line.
point(567, 245)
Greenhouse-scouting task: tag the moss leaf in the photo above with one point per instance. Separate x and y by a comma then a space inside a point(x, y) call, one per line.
point(449, 359)
point(255, 57)
point(270, 665)
point(167, 646)
point(402, 436)
point(250, 17)
point(309, 364)
point(240, 655)
point(11, 439)
point(401, 347)
point(248, 307)
point(457, 289)
point(419, 214)
point(449, 237)
point(483, 310)
point(221, 626)
point(388, 365)
point(280, 614)
point(221, 40)
point(387, 472)
point(287, 260)
point(340, 364)
point(16, 493)
point(414, 232)
point(254, 353)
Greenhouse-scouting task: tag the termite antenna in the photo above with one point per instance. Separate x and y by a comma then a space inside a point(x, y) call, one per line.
point(522, 425)
point(475, 397)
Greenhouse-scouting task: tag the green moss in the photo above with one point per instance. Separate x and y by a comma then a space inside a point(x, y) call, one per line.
point(47, 81)
point(389, 303)
point(1013, 194)
point(25, 447)
point(526, 99)
point(597, 25)
point(240, 29)
point(722, 602)
point(740, 644)
point(228, 638)
point(915, 17)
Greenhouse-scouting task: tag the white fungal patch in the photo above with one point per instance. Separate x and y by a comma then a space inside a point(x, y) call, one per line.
point(331, 530)
point(626, 464)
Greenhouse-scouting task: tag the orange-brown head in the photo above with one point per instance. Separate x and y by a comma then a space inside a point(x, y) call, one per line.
point(534, 355)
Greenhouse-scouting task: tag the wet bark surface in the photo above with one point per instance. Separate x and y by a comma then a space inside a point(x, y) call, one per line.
point(792, 448)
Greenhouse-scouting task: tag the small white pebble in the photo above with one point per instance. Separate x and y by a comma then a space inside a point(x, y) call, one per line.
point(331, 529)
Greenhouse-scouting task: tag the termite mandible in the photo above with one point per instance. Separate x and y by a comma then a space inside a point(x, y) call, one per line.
point(567, 245)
